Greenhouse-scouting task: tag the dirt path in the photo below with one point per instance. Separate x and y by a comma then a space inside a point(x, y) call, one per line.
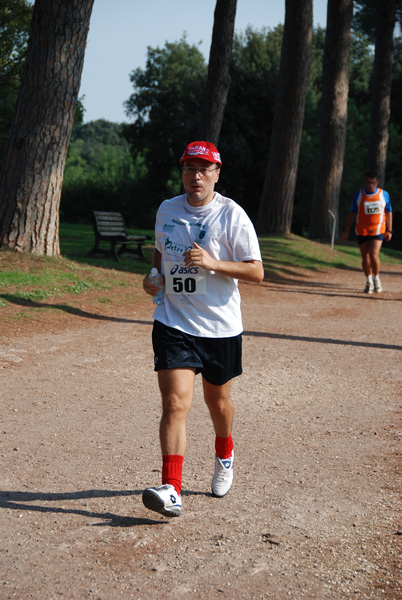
point(315, 508)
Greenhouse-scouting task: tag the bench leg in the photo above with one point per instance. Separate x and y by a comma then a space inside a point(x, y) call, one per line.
point(139, 251)
point(95, 249)
point(121, 249)
point(113, 252)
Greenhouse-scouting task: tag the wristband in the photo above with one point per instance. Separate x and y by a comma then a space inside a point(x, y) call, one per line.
point(389, 231)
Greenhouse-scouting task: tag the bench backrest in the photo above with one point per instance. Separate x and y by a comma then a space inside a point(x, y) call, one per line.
point(109, 223)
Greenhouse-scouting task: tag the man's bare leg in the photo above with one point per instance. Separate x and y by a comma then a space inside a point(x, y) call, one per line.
point(176, 387)
point(221, 409)
point(374, 253)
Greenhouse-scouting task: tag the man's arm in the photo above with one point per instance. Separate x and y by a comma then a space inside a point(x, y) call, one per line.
point(388, 220)
point(349, 223)
point(251, 270)
point(157, 259)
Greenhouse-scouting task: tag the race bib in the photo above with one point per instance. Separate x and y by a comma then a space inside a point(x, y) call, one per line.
point(180, 279)
point(372, 208)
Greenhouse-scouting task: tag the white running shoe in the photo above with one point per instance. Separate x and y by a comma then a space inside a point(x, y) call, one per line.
point(164, 500)
point(369, 288)
point(377, 286)
point(223, 476)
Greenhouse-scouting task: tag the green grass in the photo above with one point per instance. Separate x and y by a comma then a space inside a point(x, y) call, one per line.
point(285, 254)
point(77, 240)
point(279, 252)
point(33, 281)
point(33, 287)
point(45, 279)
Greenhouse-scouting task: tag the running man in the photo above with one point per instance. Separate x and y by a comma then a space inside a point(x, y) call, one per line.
point(371, 208)
point(204, 243)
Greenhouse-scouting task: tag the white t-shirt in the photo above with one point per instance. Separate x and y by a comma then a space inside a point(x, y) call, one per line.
point(198, 302)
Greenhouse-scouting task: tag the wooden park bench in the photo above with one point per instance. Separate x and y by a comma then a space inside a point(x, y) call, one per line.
point(109, 227)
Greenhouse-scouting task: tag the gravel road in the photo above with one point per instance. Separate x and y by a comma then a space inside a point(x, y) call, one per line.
point(314, 511)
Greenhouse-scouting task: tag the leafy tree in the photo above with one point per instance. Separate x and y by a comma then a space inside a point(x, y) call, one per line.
point(166, 105)
point(276, 208)
point(248, 120)
point(317, 57)
point(365, 18)
point(360, 67)
point(31, 179)
point(15, 20)
point(247, 124)
point(333, 118)
point(102, 175)
point(79, 111)
point(218, 81)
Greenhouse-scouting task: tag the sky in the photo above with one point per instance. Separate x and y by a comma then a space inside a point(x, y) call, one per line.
point(121, 31)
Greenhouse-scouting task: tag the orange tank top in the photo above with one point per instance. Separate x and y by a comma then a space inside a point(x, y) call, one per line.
point(370, 217)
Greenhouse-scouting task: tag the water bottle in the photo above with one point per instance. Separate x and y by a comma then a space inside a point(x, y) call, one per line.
point(156, 279)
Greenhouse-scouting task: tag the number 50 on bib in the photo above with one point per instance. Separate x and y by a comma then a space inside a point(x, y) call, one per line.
point(180, 279)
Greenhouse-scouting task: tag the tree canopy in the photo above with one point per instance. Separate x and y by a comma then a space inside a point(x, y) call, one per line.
point(123, 165)
point(365, 16)
point(101, 174)
point(15, 20)
point(166, 104)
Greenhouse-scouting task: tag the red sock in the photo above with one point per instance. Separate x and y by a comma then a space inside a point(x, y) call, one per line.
point(223, 446)
point(172, 470)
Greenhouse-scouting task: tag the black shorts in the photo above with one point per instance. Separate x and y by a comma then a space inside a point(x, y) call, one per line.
point(218, 359)
point(362, 239)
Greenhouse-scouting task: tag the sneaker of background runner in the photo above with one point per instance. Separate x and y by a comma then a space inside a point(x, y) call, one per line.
point(369, 288)
point(223, 476)
point(164, 500)
point(377, 286)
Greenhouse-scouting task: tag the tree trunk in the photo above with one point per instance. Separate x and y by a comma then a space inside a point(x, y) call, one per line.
point(334, 111)
point(381, 102)
point(276, 205)
point(218, 81)
point(32, 174)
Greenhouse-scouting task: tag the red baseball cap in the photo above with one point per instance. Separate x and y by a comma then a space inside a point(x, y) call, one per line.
point(202, 150)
